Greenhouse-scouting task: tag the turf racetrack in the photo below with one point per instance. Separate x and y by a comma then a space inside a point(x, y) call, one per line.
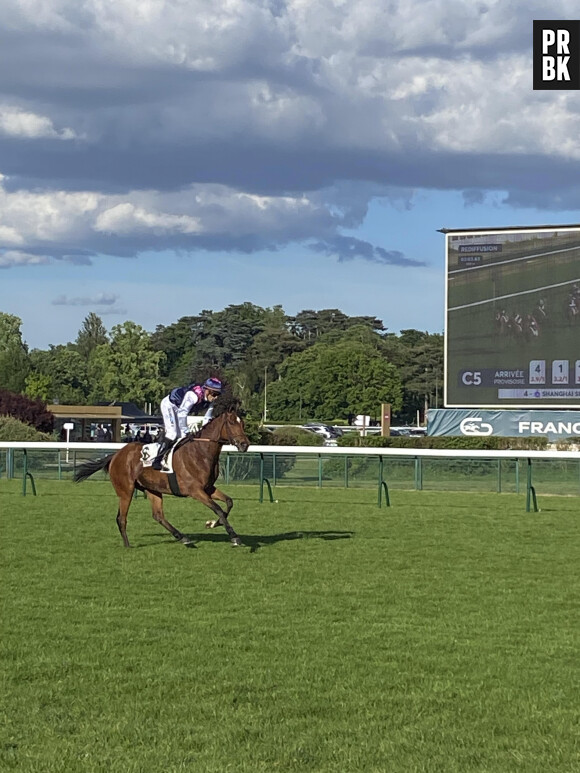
point(438, 635)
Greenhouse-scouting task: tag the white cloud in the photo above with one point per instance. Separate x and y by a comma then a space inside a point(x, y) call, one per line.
point(126, 218)
point(15, 122)
point(10, 258)
point(52, 221)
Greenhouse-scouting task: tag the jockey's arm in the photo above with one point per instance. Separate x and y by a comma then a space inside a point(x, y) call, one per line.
point(189, 401)
point(208, 416)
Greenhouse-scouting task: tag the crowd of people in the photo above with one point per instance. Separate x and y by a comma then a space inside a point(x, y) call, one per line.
point(141, 436)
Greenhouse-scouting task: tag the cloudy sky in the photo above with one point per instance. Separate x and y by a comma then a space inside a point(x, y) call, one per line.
point(159, 157)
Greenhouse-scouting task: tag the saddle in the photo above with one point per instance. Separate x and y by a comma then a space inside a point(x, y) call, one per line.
point(149, 453)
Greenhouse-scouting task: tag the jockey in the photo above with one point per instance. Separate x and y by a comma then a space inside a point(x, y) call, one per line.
point(176, 406)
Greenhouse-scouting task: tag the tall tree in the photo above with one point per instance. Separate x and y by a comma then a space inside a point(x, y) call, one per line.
point(14, 359)
point(422, 372)
point(333, 381)
point(127, 369)
point(60, 375)
point(176, 342)
point(92, 334)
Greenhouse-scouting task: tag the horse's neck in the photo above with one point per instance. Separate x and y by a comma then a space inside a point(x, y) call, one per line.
point(209, 432)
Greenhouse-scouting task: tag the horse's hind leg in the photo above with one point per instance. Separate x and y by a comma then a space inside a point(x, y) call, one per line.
point(124, 504)
point(222, 497)
point(156, 501)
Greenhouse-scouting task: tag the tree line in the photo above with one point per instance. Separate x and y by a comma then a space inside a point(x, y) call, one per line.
point(318, 365)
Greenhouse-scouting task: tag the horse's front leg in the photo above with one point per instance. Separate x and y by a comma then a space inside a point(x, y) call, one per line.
point(222, 518)
point(222, 497)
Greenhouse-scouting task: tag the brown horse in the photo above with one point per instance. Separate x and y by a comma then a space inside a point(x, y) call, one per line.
point(196, 467)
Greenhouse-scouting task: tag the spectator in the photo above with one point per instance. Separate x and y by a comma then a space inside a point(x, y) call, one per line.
point(100, 435)
point(108, 435)
point(147, 436)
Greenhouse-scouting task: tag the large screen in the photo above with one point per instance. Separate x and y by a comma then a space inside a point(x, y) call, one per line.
point(512, 336)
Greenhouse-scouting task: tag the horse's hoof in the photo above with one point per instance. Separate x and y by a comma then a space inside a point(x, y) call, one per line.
point(186, 540)
point(237, 543)
point(211, 524)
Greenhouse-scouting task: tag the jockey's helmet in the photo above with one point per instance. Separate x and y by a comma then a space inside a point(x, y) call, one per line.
point(213, 384)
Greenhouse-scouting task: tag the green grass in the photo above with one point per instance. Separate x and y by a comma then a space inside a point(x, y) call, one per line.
point(437, 635)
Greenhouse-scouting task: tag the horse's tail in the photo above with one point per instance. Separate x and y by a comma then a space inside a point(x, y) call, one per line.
point(88, 468)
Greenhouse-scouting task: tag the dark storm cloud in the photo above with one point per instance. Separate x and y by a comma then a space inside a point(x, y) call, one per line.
point(349, 248)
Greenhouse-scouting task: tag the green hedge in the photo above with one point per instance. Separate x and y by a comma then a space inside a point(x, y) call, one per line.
point(295, 436)
point(12, 429)
point(453, 443)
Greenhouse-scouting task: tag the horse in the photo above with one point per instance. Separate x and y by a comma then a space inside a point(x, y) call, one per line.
point(195, 464)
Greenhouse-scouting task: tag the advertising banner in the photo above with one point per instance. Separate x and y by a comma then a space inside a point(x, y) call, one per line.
point(555, 425)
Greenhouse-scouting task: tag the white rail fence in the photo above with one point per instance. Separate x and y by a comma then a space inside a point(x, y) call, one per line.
point(16, 458)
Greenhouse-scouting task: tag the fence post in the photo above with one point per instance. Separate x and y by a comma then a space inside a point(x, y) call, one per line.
point(319, 470)
point(346, 471)
point(517, 476)
point(531, 491)
point(26, 474)
point(418, 474)
point(227, 468)
point(264, 480)
point(382, 485)
point(499, 476)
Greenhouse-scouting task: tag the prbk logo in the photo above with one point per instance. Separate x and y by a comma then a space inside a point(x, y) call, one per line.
point(475, 425)
point(556, 55)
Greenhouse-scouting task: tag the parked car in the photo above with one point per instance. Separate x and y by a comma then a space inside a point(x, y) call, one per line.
point(325, 430)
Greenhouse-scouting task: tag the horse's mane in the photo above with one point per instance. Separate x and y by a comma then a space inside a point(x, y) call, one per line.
point(226, 403)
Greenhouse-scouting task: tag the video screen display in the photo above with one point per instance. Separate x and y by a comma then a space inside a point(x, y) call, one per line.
point(512, 335)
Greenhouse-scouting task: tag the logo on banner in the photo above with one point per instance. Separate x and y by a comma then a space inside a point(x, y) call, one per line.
point(475, 425)
point(556, 55)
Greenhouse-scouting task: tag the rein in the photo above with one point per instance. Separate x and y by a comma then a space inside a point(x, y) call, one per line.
point(193, 438)
point(207, 440)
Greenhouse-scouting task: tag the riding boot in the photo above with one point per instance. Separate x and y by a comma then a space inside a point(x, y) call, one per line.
point(163, 449)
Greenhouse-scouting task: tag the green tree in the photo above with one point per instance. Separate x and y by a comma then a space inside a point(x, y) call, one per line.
point(176, 342)
point(422, 372)
point(128, 368)
point(92, 334)
point(61, 373)
point(39, 386)
point(14, 359)
point(328, 382)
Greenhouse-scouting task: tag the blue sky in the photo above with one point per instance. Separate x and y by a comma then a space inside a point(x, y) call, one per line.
point(269, 151)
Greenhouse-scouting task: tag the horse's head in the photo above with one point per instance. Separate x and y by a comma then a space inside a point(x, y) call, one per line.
point(231, 425)
point(233, 431)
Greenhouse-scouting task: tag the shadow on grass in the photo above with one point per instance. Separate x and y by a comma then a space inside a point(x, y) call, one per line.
point(254, 541)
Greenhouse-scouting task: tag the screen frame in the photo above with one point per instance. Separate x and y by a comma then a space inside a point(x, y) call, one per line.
point(498, 405)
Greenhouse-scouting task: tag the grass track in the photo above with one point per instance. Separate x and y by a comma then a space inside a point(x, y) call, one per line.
point(438, 635)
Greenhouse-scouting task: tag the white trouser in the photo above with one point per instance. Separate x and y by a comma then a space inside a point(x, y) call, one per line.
point(169, 413)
